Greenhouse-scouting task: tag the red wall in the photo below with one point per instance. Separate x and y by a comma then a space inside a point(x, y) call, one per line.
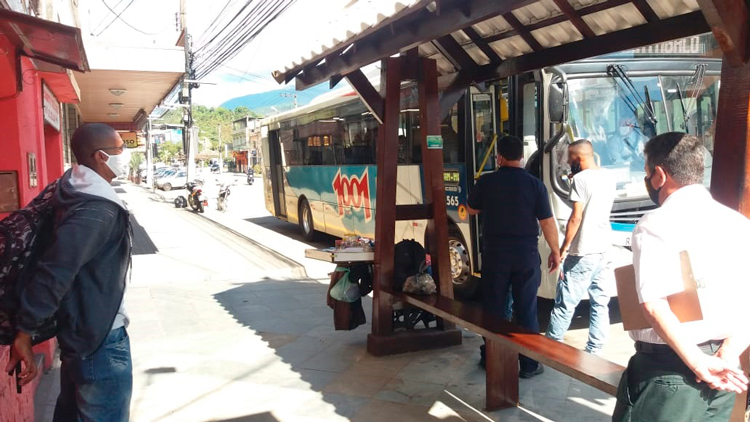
point(22, 131)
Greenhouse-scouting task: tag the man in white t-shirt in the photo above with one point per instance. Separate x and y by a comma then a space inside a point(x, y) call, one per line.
point(686, 371)
point(586, 265)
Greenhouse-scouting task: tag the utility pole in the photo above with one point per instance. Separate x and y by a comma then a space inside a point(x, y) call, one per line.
point(221, 153)
point(150, 155)
point(294, 95)
point(189, 140)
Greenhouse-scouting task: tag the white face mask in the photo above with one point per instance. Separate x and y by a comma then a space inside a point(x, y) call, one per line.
point(119, 164)
point(624, 130)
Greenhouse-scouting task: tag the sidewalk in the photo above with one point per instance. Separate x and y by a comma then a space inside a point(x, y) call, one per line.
point(224, 330)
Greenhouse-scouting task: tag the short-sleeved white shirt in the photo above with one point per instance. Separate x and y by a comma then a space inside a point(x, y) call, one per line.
point(595, 188)
point(715, 238)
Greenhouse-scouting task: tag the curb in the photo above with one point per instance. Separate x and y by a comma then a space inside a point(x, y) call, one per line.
point(296, 267)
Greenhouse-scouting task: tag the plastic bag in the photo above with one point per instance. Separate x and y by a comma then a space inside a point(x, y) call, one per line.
point(420, 284)
point(345, 290)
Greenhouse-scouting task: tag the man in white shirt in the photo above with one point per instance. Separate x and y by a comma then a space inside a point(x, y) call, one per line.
point(586, 268)
point(686, 371)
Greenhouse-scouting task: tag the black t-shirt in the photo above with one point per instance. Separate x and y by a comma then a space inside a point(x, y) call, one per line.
point(511, 201)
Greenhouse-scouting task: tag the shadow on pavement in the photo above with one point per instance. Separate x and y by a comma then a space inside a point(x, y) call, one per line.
point(292, 231)
point(259, 417)
point(446, 384)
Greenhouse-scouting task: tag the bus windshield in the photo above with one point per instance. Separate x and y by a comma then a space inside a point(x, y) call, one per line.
point(619, 114)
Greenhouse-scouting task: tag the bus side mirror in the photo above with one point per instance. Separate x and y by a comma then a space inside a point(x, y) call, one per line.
point(557, 100)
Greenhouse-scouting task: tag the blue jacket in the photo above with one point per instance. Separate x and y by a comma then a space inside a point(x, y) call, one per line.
point(81, 277)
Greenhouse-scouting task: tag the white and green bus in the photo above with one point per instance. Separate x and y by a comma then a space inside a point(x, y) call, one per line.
point(319, 160)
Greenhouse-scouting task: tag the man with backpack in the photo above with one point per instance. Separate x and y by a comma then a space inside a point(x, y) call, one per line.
point(513, 205)
point(80, 280)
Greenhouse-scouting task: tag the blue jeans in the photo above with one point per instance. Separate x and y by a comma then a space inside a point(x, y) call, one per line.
point(97, 387)
point(581, 274)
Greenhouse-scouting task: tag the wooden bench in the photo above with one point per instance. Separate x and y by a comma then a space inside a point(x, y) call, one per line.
point(505, 341)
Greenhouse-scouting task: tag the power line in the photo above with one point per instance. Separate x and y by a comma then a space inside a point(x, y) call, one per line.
point(117, 15)
point(230, 47)
point(105, 18)
point(216, 19)
point(228, 42)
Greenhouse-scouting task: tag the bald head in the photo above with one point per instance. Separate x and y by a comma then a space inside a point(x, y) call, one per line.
point(581, 153)
point(93, 144)
point(92, 137)
point(582, 147)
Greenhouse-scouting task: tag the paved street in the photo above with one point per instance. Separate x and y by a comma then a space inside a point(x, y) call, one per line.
point(224, 328)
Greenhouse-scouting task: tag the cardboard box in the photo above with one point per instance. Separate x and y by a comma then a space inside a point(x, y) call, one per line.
point(685, 305)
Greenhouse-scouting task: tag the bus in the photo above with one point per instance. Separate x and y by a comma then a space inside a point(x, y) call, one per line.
point(319, 160)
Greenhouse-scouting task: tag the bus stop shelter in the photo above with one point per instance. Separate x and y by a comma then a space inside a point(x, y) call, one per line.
point(447, 46)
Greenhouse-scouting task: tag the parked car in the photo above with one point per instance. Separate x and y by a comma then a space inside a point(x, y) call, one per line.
point(250, 176)
point(215, 168)
point(172, 179)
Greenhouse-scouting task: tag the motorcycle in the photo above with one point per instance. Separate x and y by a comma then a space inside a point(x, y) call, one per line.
point(196, 199)
point(222, 202)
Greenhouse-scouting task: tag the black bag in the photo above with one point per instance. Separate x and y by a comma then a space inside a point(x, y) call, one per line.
point(24, 236)
point(408, 258)
point(362, 274)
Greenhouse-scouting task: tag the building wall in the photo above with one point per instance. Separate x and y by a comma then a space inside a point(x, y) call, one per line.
point(23, 132)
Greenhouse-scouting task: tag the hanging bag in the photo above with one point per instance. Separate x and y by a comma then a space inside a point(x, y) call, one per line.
point(345, 290)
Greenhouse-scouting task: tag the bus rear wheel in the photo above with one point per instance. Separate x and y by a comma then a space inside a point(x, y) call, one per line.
point(306, 225)
point(464, 285)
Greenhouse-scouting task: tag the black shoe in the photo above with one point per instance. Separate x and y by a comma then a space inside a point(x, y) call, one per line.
point(530, 374)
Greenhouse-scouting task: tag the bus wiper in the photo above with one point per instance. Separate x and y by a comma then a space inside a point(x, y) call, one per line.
point(696, 81)
point(617, 71)
point(685, 116)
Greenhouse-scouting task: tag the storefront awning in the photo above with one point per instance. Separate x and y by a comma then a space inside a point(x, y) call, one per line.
point(40, 39)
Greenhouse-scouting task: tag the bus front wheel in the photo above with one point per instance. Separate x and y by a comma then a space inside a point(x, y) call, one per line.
point(306, 225)
point(464, 285)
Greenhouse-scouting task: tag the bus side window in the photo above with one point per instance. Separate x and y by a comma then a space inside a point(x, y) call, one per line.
point(453, 151)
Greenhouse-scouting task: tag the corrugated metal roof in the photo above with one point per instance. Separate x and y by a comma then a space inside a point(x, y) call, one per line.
point(543, 20)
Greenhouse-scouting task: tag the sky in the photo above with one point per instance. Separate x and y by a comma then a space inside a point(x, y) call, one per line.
point(153, 22)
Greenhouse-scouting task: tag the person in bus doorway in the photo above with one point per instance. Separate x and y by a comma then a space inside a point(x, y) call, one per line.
point(585, 250)
point(513, 204)
point(686, 371)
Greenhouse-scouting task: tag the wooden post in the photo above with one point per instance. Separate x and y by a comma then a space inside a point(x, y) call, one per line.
point(502, 376)
point(385, 213)
point(382, 340)
point(730, 180)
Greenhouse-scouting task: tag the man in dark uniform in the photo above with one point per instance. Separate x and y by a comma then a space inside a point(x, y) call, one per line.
point(513, 204)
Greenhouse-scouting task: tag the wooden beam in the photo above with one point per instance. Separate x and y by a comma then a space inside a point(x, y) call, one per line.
point(455, 91)
point(335, 79)
point(479, 42)
point(729, 23)
point(730, 181)
point(559, 19)
point(413, 212)
point(522, 31)
point(454, 53)
point(381, 43)
point(646, 10)
point(650, 33)
point(367, 93)
point(385, 216)
point(434, 187)
point(575, 19)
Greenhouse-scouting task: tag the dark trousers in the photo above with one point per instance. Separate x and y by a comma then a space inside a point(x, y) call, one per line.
point(657, 386)
point(519, 270)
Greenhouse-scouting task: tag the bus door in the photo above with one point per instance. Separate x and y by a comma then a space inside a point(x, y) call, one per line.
point(277, 173)
point(483, 128)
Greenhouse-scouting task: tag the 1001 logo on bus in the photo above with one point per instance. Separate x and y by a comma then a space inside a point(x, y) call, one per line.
point(353, 191)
